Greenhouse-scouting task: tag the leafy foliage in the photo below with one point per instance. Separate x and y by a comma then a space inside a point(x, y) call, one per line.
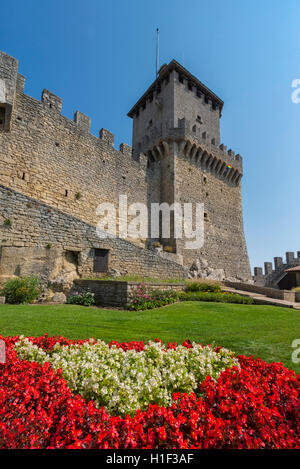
point(21, 290)
point(203, 287)
point(145, 297)
point(223, 297)
point(84, 299)
point(127, 381)
point(254, 405)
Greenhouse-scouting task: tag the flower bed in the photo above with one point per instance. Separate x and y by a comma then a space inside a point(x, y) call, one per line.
point(125, 381)
point(252, 405)
point(145, 297)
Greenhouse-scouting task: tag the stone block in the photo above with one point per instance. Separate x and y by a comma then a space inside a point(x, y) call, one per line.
point(59, 297)
point(52, 101)
point(268, 268)
point(290, 257)
point(83, 121)
point(278, 262)
point(258, 272)
point(107, 136)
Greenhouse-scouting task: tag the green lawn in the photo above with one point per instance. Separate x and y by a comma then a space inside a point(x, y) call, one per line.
point(262, 331)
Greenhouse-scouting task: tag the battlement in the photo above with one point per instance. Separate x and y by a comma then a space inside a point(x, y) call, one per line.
point(178, 109)
point(12, 82)
point(271, 274)
point(198, 148)
point(183, 77)
point(194, 135)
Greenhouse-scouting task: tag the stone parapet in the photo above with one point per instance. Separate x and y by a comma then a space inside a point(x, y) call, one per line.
point(119, 293)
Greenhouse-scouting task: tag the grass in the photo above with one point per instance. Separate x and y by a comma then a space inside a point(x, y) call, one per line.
point(262, 331)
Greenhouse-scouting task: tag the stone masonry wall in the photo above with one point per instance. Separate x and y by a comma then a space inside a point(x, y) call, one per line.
point(35, 237)
point(117, 293)
point(190, 107)
point(224, 242)
point(267, 291)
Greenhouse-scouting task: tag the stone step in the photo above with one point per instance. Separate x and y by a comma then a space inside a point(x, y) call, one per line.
point(263, 299)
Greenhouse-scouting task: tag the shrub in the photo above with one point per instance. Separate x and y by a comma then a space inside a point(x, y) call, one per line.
point(84, 299)
point(296, 289)
point(203, 286)
point(222, 297)
point(144, 297)
point(168, 249)
point(21, 290)
point(78, 195)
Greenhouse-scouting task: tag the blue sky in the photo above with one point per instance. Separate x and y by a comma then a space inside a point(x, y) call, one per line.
point(99, 56)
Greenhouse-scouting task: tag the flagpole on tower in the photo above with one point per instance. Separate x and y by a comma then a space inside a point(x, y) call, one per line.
point(157, 50)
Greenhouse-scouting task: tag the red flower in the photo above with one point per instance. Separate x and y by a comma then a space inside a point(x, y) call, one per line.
point(254, 407)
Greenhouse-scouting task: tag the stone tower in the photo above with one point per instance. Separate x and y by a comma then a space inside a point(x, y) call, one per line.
point(176, 124)
point(54, 173)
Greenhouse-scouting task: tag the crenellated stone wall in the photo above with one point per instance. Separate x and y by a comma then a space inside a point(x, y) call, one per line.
point(57, 161)
point(270, 276)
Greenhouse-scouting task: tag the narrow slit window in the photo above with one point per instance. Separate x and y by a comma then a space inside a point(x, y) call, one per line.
point(2, 117)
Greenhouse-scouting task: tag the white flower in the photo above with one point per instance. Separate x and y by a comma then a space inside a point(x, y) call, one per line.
point(126, 381)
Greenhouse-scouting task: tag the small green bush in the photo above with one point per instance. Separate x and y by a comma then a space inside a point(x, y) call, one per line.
point(8, 222)
point(84, 299)
point(218, 297)
point(203, 287)
point(21, 290)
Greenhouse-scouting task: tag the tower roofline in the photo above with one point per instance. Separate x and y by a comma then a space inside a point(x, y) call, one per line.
point(164, 71)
